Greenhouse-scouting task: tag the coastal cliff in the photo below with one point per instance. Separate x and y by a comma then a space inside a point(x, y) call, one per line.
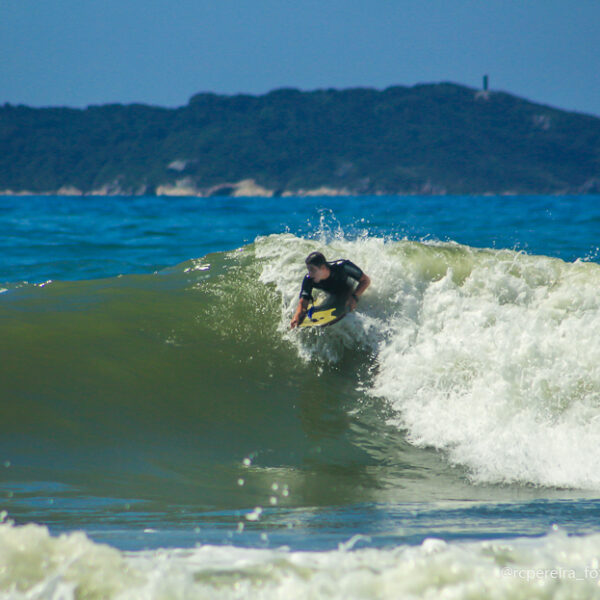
point(426, 139)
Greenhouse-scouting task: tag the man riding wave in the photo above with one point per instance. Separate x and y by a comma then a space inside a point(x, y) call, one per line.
point(335, 278)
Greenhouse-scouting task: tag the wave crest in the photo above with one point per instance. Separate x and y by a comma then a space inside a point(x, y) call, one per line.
point(492, 357)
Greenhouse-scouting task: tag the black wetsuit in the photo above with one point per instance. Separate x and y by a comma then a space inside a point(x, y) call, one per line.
point(337, 283)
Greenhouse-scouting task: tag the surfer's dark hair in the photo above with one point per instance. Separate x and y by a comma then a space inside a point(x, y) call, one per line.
point(315, 258)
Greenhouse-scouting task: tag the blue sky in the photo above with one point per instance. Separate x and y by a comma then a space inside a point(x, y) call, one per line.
point(81, 52)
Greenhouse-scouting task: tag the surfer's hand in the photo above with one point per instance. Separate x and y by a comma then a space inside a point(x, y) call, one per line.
point(297, 319)
point(300, 313)
point(351, 304)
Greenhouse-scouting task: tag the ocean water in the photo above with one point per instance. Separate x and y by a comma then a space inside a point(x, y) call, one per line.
point(163, 434)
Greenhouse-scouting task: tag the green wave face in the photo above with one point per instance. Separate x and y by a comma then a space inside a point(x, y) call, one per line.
point(185, 376)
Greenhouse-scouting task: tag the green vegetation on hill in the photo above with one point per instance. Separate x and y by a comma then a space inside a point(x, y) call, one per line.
point(440, 138)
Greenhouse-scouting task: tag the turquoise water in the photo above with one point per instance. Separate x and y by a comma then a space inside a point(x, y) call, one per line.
point(47, 237)
point(164, 433)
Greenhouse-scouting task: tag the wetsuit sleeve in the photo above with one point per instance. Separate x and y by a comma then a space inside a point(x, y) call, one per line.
point(307, 286)
point(352, 270)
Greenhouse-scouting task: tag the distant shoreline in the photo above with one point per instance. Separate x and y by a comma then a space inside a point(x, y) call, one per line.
point(248, 188)
point(308, 194)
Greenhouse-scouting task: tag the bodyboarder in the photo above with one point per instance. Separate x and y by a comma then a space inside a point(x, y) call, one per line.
point(332, 277)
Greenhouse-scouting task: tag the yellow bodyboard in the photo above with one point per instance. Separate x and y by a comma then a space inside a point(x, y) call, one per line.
point(326, 313)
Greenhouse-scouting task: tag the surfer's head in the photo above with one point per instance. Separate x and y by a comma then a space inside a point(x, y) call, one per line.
point(317, 266)
point(315, 258)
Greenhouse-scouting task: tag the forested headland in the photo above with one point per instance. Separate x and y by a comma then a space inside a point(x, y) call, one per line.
point(426, 139)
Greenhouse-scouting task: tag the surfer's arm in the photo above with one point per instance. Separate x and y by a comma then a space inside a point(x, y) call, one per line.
point(300, 312)
point(363, 283)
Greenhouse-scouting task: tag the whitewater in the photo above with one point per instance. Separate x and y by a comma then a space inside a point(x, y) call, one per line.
point(164, 433)
point(489, 356)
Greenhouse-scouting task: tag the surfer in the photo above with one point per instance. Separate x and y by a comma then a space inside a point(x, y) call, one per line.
point(333, 278)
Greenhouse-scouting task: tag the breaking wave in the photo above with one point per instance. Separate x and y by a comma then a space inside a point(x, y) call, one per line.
point(489, 357)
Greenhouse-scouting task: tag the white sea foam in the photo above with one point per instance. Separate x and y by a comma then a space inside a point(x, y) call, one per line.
point(37, 565)
point(492, 357)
